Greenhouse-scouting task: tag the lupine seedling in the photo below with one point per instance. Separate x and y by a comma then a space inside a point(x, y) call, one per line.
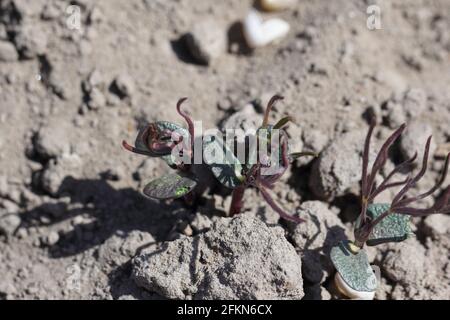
point(159, 139)
point(383, 222)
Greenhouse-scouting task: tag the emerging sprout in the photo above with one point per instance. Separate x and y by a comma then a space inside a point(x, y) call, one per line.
point(159, 139)
point(380, 222)
point(252, 173)
point(401, 203)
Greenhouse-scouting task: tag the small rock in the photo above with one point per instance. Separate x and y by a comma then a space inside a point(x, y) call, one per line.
point(51, 239)
point(96, 99)
point(125, 86)
point(339, 166)
point(4, 187)
point(414, 139)
point(414, 103)
point(3, 32)
point(95, 79)
point(52, 10)
point(408, 265)
point(315, 140)
point(437, 225)
point(51, 140)
point(245, 119)
point(95, 16)
point(409, 106)
point(27, 8)
point(68, 165)
point(9, 224)
point(31, 41)
point(206, 41)
point(122, 246)
point(395, 115)
point(187, 231)
point(8, 52)
point(322, 230)
point(239, 258)
point(8, 207)
point(442, 150)
point(201, 223)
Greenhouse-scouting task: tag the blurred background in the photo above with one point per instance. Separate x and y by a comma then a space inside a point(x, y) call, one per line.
point(78, 77)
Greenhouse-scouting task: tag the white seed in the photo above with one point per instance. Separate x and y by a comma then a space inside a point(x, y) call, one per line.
point(350, 292)
point(259, 33)
point(276, 5)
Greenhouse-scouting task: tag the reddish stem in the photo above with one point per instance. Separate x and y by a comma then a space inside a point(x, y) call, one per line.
point(236, 200)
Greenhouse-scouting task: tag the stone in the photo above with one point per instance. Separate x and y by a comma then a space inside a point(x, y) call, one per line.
point(395, 115)
point(239, 258)
point(206, 41)
point(9, 224)
point(245, 119)
point(339, 166)
point(51, 239)
point(8, 52)
point(52, 139)
point(122, 246)
point(31, 41)
point(315, 237)
point(414, 139)
point(68, 165)
point(407, 265)
point(97, 99)
point(314, 140)
point(414, 103)
point(125, 85)
point(437, 225)
point(407, 107)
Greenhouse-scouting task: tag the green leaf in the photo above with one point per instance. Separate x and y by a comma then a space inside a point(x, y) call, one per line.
point(282, 122)
point(224, 165)
point(354, 268)
point(170, 186)
point(394, 228)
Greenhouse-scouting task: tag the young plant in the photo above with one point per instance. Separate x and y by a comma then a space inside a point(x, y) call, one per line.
point(383, 222)
point(164, 139)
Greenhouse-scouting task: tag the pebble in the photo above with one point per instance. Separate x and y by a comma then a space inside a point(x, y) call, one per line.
point(56, 172)
point(338, 168)
point(51, 140)
point(51, 239)
point(3, 33)
point(442, 150)
point(9, 223)
point(96, 99)
point(31, 41)
point(125, 85)
point(206, 41)
point(8, 207)
point(8, 52)
point(414, 102)
point(414, 139)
